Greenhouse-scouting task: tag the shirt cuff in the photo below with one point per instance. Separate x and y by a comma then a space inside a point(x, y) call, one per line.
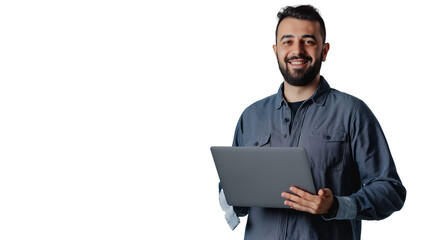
point(230, 215)
point(346, 209)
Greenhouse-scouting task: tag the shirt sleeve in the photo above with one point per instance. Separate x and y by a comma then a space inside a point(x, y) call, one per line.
point(381, 191)
point(232, 213)
point(238, 141)
point(346, 209)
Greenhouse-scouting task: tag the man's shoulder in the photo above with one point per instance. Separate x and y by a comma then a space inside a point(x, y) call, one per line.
point(343, 97)
point(264, 104)
point(347, 103)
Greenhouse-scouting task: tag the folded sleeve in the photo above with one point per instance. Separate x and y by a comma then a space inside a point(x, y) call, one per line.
point(230, 215)
point(346, 209)
point(231, 212)
point(237, 142)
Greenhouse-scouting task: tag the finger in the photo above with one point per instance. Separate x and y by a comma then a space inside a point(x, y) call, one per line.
point(292, 197)
point(299, 207)
point(298, 200)
point(303, 194)
point(307, 199)
point(326, 192)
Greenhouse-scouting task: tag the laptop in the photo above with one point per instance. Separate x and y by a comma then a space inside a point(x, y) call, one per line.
point(256, 176)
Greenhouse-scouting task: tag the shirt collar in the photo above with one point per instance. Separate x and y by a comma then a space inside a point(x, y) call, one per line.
point(319, 96)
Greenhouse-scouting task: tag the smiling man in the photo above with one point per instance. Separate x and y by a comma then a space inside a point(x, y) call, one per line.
point(350, 160)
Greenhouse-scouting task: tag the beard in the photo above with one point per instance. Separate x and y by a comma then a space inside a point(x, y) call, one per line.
point(300, 77)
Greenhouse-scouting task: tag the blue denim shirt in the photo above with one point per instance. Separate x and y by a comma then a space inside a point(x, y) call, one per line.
point(348, 154)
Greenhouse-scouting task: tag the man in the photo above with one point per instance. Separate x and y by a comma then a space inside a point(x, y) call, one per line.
point(351, 164)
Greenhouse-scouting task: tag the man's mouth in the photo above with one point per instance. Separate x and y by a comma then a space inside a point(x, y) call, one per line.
point(298, 63)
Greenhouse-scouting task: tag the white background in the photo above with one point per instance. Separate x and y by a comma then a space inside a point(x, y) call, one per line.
point(108, 108)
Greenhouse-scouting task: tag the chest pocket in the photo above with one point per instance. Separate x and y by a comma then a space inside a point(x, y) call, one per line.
point(260, 141)
point(327, 149)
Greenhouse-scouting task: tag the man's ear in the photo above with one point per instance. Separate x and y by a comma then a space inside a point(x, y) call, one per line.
point(275, 49)
point(325, 51)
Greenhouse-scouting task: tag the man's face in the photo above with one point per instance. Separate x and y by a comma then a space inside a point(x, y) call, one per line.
point(300, 50)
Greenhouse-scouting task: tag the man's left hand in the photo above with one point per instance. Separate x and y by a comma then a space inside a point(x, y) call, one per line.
point(307, 202)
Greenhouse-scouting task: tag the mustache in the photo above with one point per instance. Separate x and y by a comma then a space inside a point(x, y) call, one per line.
point(301, 56)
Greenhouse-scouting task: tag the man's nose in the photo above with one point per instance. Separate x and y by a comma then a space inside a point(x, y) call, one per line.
point(297, 48)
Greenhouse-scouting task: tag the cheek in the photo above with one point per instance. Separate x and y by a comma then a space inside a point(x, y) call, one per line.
point(281, 55)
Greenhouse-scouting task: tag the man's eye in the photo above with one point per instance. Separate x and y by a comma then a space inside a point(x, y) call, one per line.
point(309, 42)
point(287, 42)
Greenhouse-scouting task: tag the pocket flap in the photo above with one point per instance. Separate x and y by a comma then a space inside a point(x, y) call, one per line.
point(259, 141)
point(329, 135)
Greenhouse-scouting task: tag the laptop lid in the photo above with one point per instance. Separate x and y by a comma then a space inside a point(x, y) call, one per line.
point(256, 176)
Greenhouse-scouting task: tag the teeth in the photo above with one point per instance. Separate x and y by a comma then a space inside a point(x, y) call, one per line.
point(296, 63)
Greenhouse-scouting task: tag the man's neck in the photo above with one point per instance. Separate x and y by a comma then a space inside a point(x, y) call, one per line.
point(300, 93)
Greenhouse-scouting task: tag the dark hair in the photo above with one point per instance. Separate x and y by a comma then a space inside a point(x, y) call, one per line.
point(304, 12)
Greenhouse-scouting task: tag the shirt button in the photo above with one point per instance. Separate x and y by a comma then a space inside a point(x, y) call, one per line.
point(256, 143)
point(286, 120)
point(328, 137)
point(285, 135)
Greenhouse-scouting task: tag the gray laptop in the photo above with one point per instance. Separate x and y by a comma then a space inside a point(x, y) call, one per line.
point(256, 176)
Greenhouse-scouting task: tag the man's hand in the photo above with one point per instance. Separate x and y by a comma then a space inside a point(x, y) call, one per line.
point(307, 202)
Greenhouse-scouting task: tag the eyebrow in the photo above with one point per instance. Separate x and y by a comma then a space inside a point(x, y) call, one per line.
point(309, 36)
point(303, 36)
point(287, 36)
